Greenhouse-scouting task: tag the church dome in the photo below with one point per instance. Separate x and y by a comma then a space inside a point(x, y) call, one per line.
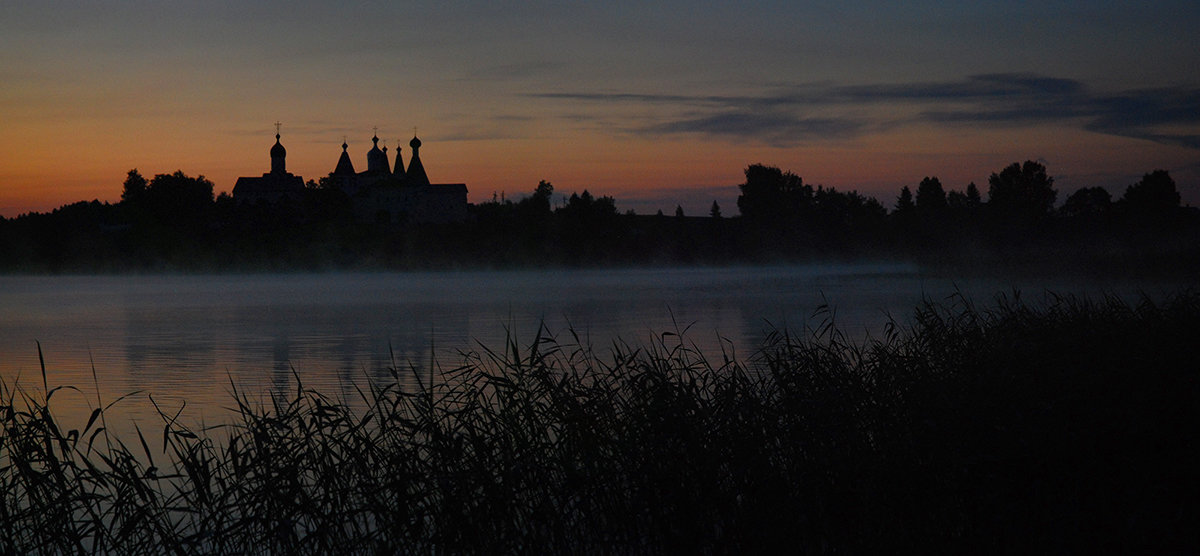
point(415, 143)
point(376, 160)
point(278, 166)
point(278, 151)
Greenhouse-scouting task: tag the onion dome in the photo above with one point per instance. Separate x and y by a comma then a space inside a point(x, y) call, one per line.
point(376, 160)
point(278, 149)
point(278, 154)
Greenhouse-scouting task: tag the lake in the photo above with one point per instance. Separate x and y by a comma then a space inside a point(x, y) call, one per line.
point(188, 338)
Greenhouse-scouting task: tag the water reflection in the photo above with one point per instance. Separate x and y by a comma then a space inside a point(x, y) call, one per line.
point(180, 339)
point(193, 338)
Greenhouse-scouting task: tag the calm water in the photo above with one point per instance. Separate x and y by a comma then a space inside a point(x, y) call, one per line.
point(180, 338)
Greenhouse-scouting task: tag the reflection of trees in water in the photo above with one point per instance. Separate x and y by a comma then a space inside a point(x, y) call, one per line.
point(336, 347)
point(281, 361)
point(169, 339)
point(634, 320)
point(422, 335)
point(347, 332)
point(336, 343)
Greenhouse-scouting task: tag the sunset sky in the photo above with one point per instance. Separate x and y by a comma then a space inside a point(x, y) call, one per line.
point(655, 104)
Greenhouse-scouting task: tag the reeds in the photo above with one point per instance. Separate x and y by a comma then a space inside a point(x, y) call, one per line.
point(1013, 428)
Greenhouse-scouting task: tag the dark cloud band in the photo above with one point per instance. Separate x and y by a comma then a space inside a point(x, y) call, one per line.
point(1008, 99)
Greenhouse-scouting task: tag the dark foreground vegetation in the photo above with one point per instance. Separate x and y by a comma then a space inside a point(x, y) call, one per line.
point(172, 222)
point(1057, 428)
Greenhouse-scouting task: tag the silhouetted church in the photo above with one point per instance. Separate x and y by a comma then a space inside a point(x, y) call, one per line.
point(379, 193)
point(383, 193)
point(272, 187)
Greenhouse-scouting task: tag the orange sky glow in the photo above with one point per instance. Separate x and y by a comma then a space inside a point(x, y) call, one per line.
point(655, 106)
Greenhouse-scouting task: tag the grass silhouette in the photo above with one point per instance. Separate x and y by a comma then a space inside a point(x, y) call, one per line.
point(1012, 428)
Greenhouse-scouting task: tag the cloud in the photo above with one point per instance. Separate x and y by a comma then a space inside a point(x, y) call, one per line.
point(780, 129)
point(977, 87)
point(620, 97)
point(974, 88)
point(1138, 114)
point(1141, 114)
point(782, 117)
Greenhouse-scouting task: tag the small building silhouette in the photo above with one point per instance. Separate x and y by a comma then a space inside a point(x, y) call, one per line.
point(273, 187)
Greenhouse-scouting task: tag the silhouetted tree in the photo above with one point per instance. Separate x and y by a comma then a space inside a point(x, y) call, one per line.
point(172, 221)
point(904, 203)
point(840, 217)
point(1087, 201)
point(135, 187)
point(973, 198)
point(1155, 194)
point(586, 229)
point(931, 197)
point(168, 201)
point(964, 202)
point(584, 205)
point(329, 182)
point(904, 217)
point(536, 207)
point(539, 201)
point(930, 215)
point(179, 196)
point(773, 196)
point(956, 200)
point(1021, 191)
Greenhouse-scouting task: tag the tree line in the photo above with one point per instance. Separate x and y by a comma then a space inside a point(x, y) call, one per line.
point(175, 222)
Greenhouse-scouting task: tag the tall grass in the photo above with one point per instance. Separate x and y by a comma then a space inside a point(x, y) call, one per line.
point(1053, 427)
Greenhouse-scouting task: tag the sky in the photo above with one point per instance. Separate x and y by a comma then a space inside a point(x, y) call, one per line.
point(656, 104)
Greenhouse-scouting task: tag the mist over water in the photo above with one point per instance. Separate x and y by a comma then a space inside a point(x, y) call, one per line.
point(186, 338)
